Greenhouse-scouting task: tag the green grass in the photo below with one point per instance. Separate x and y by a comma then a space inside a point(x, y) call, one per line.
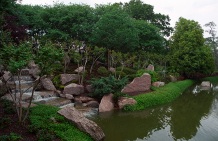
point(213, 79)
point(46, 119)
point(160, 96)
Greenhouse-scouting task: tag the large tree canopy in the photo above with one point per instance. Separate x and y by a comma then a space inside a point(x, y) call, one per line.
point(189, 55)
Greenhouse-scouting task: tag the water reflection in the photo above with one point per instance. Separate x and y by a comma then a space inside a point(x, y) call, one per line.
point(187, 118)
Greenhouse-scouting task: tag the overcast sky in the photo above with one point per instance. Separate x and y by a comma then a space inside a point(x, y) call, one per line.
point(202, 11)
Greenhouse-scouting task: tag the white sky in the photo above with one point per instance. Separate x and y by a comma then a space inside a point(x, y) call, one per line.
point(203, 11)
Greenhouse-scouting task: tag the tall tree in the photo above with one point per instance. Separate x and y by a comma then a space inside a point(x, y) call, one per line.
point(189, 55)
point(212, 40)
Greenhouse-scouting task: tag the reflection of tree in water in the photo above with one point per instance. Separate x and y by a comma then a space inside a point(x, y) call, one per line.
point(187, 111)
point(132, 125)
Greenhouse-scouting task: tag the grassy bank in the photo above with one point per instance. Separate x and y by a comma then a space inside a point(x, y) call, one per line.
point(46, 122)
point(160, 96)
point(213, 79)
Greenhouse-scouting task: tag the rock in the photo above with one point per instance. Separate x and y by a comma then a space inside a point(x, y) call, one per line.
point(83, 123)
point(84, 99)
point(26, 104)
point(89, 88)
point(122, 101)
point(62, 95)
point(69, 96)
point(205, 84)
point(106, 103)
point(74, 89)
point(113, 70)
point(92, 104)
point(34, 69)
point(79, 70)
point(65, 78)
point(158, 84)
point(139, 84)
point(7, 76)
point(150, 67)
point(25, 72)
point(47, 84)
point(172, 78)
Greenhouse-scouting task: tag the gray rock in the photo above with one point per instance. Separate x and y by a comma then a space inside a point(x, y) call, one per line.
point(73, 89)
point(47, 84)
point(150, 67)
point(92, 104)
point(205, 84)
point(106, 103)
point(158, 84)
point(123, 101)
point(69, 96)
point(65, 78)
point(83, 123)
point(89, 88)
point(139, 84)
point(173, 78)
point(84, 99)
point(79, 70)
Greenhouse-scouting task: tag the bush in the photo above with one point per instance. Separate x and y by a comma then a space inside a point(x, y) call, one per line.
point(106, 85)
point(126, 70)
point(46, 121)
point(11, 137)
point(154, 75)
point(103, 71)
point(162, 95)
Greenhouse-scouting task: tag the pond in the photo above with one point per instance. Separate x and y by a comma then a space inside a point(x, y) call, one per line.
point(193, 116)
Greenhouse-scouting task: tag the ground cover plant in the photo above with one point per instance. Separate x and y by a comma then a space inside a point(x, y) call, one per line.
point(160, 96)
point(48, 123)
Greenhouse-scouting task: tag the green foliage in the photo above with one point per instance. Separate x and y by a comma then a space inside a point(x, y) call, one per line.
point(4, 122)
point(161, 95)
point(8, 106)
point(45, 119)
point(126, 70)
point(103, 71)
point(188, 53)
point(49, 59)
point(14, 58)
point(154, 75)
point(11, 137)
point(114, 30)
point(107, 85)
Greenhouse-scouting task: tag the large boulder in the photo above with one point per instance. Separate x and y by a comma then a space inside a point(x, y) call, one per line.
point(92, 104)
point(106, 103)
point(158, 84)
point(83, 123)
point(205, 84)
point(65, 78)
point(73, 89)
point(123, 101)
point(47, 84)
point(139, 84)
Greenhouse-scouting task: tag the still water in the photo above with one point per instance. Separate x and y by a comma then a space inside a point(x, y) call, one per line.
point(193, 116)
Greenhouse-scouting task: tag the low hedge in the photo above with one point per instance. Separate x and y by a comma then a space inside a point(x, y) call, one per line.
point(160, 96)
point(48, 123)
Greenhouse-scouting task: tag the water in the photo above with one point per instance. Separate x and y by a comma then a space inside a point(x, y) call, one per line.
point(193, 116)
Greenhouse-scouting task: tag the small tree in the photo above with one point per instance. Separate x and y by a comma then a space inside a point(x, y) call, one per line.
point(15, 58)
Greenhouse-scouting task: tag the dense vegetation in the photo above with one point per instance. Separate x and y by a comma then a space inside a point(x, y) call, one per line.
point(160, 96)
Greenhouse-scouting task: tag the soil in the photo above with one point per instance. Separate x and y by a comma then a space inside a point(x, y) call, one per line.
point(9, 124)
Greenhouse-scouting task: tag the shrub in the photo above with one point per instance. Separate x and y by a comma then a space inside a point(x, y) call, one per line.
point(46, 121)
point(106, 85)
point(11, 137)
point(103, 71)
point(154, 75)
point(126, 70)
point(162, 95)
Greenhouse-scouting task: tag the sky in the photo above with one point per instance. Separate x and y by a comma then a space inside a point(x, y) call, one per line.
point(202, 11)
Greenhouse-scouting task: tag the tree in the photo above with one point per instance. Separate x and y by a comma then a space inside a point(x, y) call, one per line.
point(142, 11)
point(212, 40)
point(189, 56)
point(14, 59)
